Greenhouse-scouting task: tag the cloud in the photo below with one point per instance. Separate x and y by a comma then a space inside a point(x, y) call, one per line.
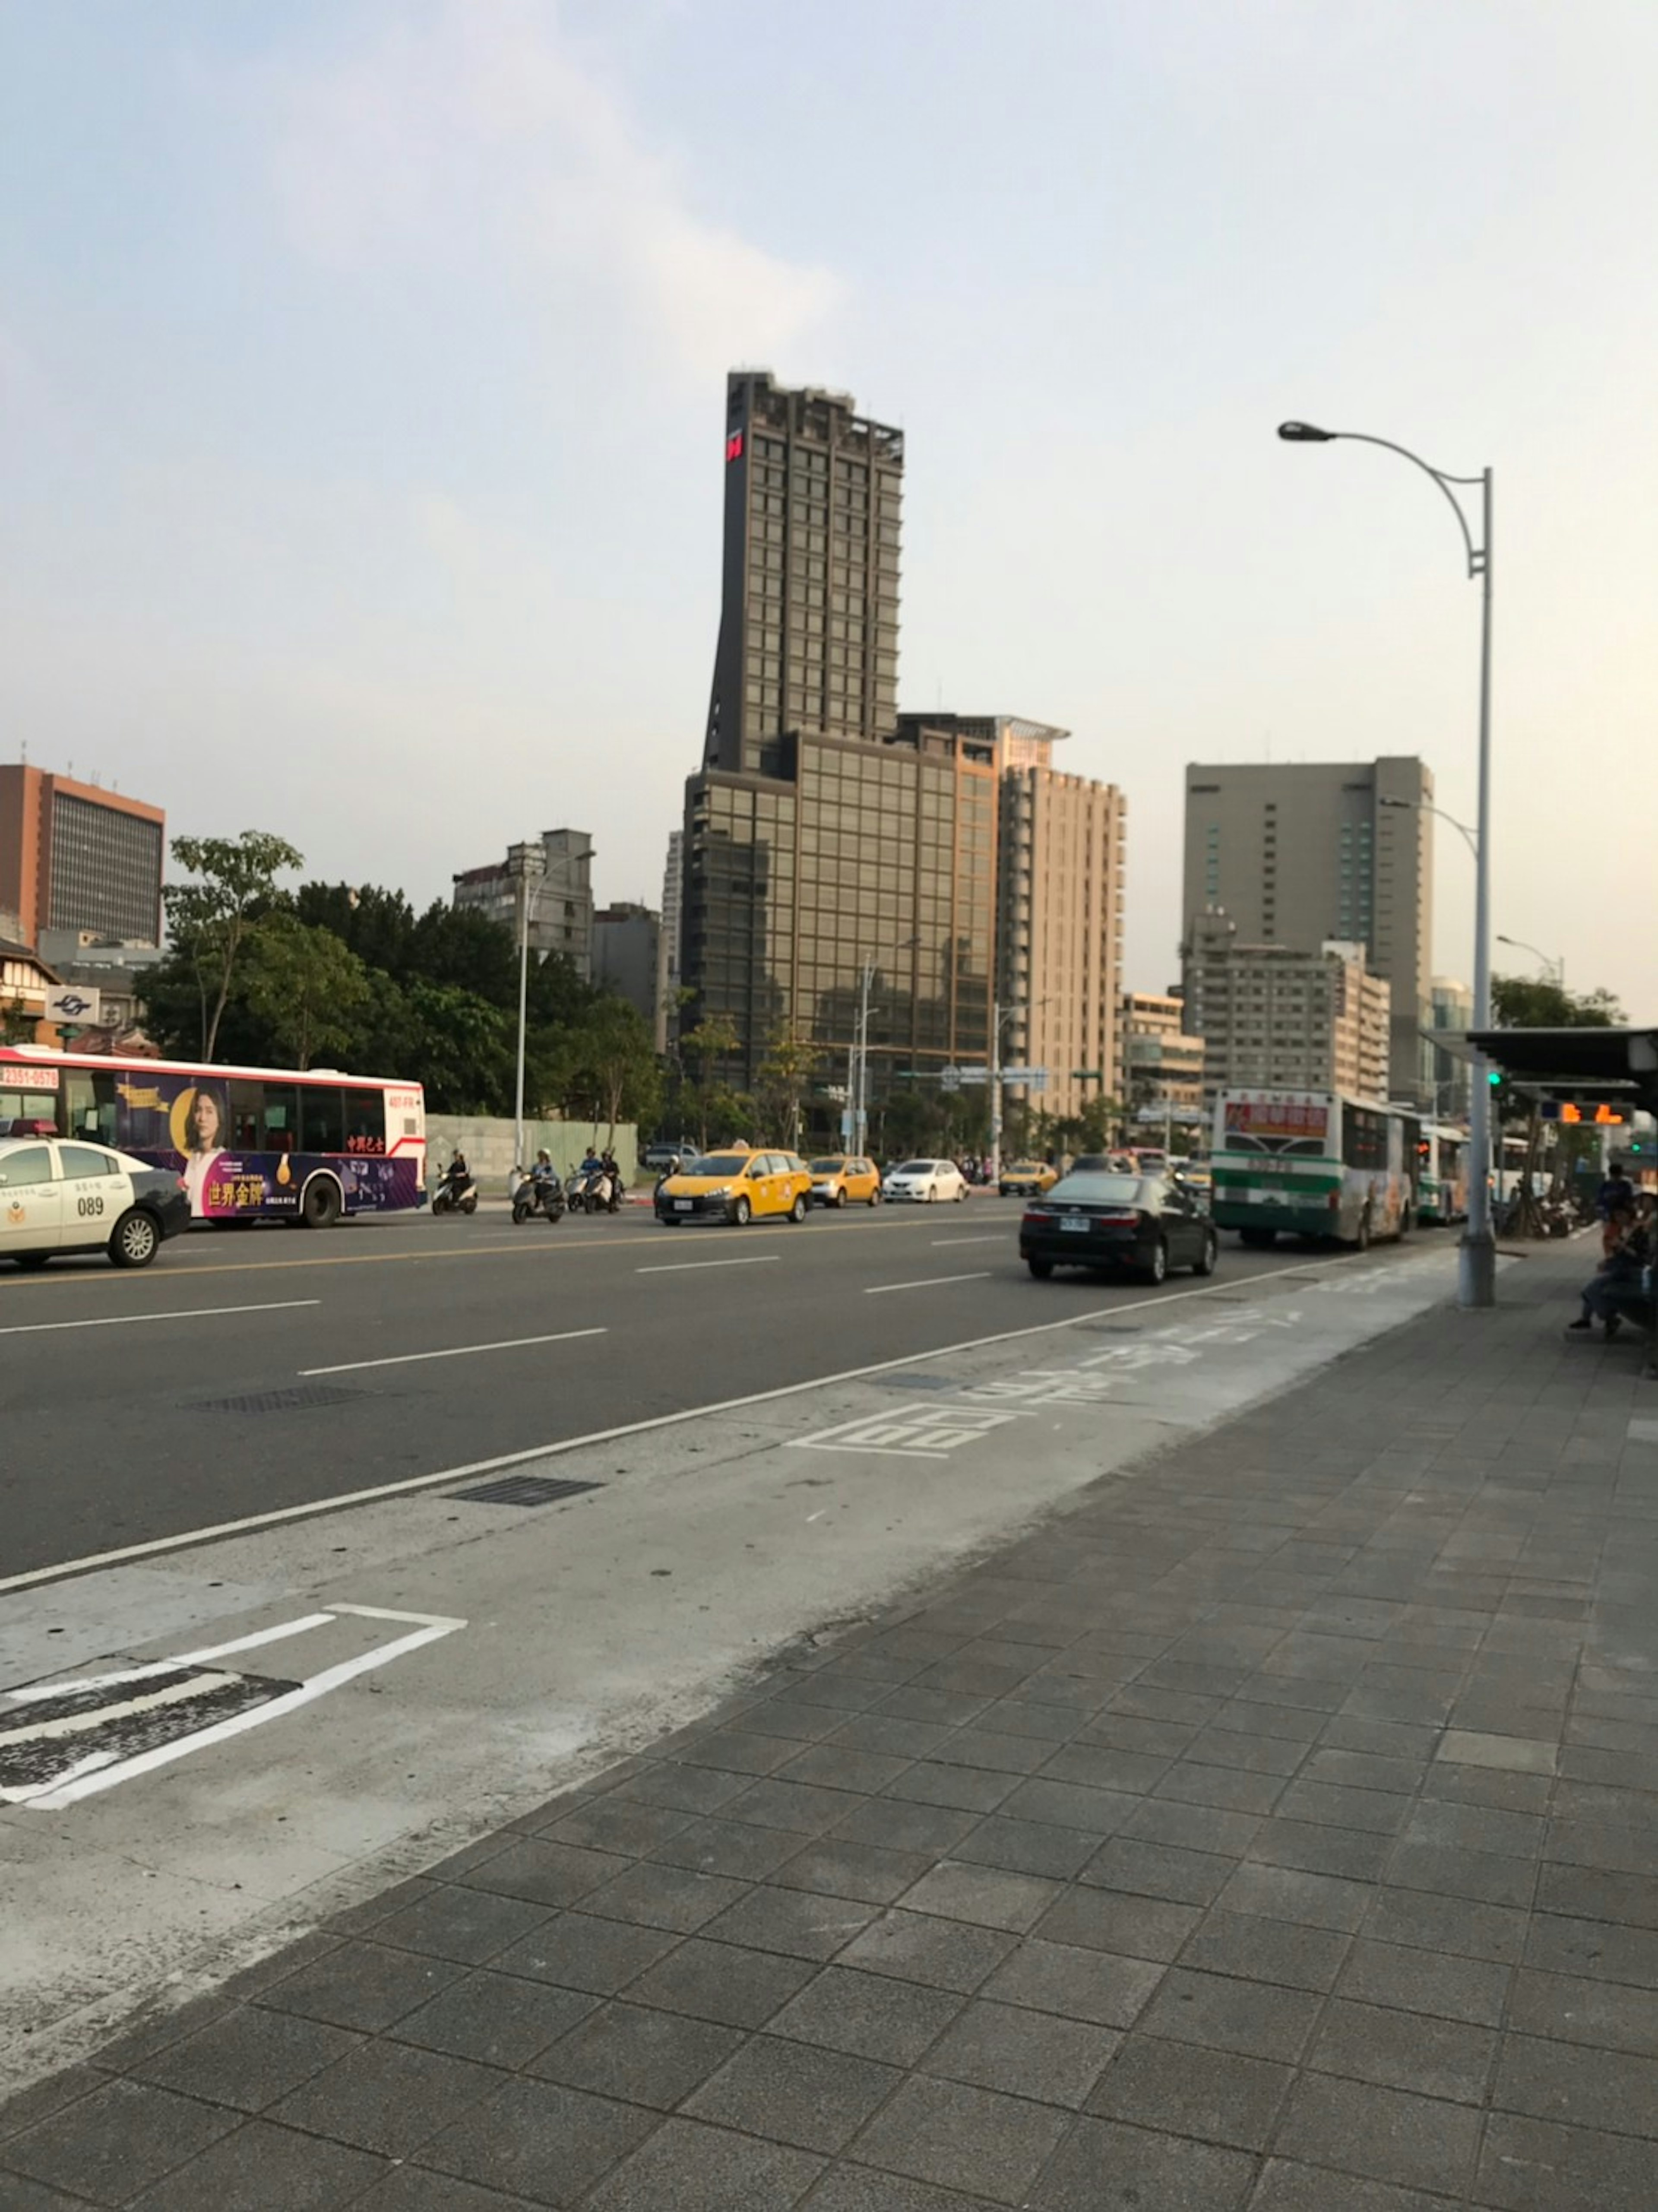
point(485, 142)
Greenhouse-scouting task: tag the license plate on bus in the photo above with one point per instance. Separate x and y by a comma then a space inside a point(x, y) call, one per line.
point(682, 1205)
point(1075, 1228)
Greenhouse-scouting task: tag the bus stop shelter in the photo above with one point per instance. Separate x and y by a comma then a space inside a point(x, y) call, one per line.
point(1616, 1066)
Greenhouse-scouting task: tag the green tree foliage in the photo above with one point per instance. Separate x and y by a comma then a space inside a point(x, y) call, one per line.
point(608, 1061)
point(715, 1038)
point(782, 1081)
point(306, 986)
point(234, 884)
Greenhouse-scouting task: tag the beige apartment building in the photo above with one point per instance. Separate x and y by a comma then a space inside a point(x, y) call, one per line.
point(1060, 851)
point(1302, 853)
point(1159, 1062)
point(1272, 1018)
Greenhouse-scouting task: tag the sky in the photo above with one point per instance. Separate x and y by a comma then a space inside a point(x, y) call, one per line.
point(362, 400)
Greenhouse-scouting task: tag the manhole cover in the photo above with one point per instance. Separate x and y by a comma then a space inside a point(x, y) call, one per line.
point(299, 1397)
point(524, 1490)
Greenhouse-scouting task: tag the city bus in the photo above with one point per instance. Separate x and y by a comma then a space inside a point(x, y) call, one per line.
point(248, 1144)
point(1313, 1163)
point(1442, 1182)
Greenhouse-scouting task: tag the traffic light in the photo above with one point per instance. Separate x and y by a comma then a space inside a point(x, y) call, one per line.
point(1494, 1077)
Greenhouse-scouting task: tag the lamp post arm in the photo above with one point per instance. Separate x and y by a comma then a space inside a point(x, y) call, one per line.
point(1476, 554)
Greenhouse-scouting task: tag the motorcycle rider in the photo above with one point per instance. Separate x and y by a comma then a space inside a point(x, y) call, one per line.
point(458, 1175)
point(544, 1171)
point(608, 1163)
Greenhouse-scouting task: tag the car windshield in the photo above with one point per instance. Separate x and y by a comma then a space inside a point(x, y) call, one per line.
point(827, 1167)
point(1096, 1189)
point(916, 1167)
point(719, 1164)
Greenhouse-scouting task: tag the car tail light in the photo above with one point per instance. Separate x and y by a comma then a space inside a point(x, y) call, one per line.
point(1035, 1213)
point(1118, 1214)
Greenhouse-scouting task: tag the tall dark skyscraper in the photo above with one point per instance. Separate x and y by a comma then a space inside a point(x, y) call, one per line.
point(824, 837)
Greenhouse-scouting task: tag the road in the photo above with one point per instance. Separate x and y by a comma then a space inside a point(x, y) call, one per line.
point(137, 1409)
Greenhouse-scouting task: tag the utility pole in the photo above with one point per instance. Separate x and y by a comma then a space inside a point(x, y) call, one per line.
point(995, 1090)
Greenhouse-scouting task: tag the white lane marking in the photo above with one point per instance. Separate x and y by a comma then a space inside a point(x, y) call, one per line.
point(684, 1267)
point(453, 1351)
point(279, 1634)
point(999, 1238)
point(926, 1432)
point(86, 1783)
point(128, 1320)
point(187, 1538)
point(927, 1282)
point(146, 1701)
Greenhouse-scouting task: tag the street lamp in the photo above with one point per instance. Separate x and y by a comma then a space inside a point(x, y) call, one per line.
point(1423, 805)
point(1555, 968)
point(526, 864)
point(858, 1072)
point(999, 1015)
point(1477, 1256)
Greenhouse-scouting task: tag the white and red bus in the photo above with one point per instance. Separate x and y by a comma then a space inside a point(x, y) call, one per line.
point(248, 1143)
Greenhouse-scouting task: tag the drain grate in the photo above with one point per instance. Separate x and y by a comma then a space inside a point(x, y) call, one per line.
point(524, 1490)
point(302, 1395)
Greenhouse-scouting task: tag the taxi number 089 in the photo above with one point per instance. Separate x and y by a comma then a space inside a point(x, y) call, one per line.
point(88, 1205)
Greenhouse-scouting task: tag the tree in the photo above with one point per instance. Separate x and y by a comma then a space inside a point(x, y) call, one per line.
point(210, 918)
point(782, 1080)
point(609, 1064)
point(307, 988)
point(715, 1038)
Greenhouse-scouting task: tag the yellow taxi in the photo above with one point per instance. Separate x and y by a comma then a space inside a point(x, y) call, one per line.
point(837, 1180)
point(1030, 1178)
point(737, 1186)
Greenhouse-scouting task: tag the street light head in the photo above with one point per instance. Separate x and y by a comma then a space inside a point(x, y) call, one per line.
point(1305, 434)
point(1405, 803)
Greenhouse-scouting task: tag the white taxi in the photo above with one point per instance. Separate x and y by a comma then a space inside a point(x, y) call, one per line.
point(65, 1195)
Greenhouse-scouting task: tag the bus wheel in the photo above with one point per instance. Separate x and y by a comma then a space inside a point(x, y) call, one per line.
point(1407, 1222)
point(321, 1207)
point(1257, 1239)
point(1361, 1239)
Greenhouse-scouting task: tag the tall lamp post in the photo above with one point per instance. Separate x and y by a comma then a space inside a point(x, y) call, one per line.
point(857, 1084)
point(1554, 967)
point(527, 864)
point(1477, 1255)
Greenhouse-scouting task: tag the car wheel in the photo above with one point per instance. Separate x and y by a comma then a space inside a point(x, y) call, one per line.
point(740, 1212)
point(31, 1260)
point(1042, 1269)
point(932, 1194)
point(669, 1220)
point(875, 1195)
point(840, 1195)
point(135, 1240)
point(798, 1211)
point(1157, 1267)
point(1205, 1265)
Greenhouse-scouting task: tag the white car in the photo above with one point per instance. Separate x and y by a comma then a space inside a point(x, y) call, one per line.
point(63, 1195)
point(928, 1180)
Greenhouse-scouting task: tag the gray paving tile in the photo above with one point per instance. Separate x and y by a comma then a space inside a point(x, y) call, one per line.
point(24, 2108)
point(1613, 2090)
point(722, 1982)
point(1102, 1986)
point(1350, 1854)
point(248, 2058)
point(544, 1873)
point(1412, 1980)
point(616, 1827)
point(358, 1985)
point(896, 1826)
point(637, 2054)
point(262, 2165)
point(839, 1765)
point(470, 1926)
point(1405, 2051)
point(1580, 2010)
point(1386, 2134)
point(1104, 2164)
point(387, 2097)
point(1027, 1847)
point(916, 1947)
point(1051, 2060)
point(994, 1749)
point(1260, 2020)
point(808, 2095)
point(500, 2019)
point(1257, 1754)
point(869, 2015)
point(1286, 2185)
point(837, 1867)
point(1531, 2165)
point(1193, 1828)
point(801, 1923)
point(1069, 1805)
point(726, 1847)
point(965, 1788)
point(1217, 2096)
point(734, 1751)
point(116, 2141)
point(861, 2189)
point(1253, 1949)
point(1432, 1922)
point(418, 2189)
point(796, 1807)
point(989, 1897)
point(1160, 1871)
point(581, 1953)
point(652, 1894)
point(1597, 1893)
point(539, 2140)
point(688, 2166)
point(964, 2138)
point(1116, 1920)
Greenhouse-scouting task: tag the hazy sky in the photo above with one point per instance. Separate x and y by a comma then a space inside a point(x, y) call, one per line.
point(361, 389)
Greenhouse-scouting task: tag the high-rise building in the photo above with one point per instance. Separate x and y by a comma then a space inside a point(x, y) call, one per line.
point(74, 856)
point(627, 943)
point(809, 611)
point(1275, 1018)
point(1160, 1059)
point(561, 899)
point(667, 951)
point(1452, 1009)
point(1303, 853)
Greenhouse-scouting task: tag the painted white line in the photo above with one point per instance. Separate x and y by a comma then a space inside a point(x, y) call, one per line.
point(453, 1351)
point(130, 1321)
point(684, 1267)
point(277, 1635)
point(175, 1694)
point(951, 1242)
point(215, 1531)
point(72, 1789)
point(927, 1282)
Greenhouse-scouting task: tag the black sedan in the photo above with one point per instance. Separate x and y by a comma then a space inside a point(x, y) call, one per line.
point(1146, 1224)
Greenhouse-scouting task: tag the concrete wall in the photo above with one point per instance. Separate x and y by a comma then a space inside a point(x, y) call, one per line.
point(488, 1144)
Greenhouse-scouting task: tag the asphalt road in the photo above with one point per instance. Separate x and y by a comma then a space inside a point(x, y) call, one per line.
point(139, 1406)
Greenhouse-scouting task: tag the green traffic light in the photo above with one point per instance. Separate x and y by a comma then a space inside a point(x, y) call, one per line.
point(1493, 1076)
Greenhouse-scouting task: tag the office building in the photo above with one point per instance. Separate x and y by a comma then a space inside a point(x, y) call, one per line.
point(1452, 1009)
point(561, 900)
point(1303, 854)
point(1161, 1061)
point(1273, 1018)
point(627, 943)
point(667, 952)
point(74, 856)
point(809, 611)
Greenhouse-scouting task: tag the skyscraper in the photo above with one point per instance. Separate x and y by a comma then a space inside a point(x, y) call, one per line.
point(76, 857)
point(1303, 854)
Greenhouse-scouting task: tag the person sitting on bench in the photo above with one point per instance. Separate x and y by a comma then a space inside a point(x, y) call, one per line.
point(1618, 1278)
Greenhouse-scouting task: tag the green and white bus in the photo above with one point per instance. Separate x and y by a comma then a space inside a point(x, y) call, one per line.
point(1314, 1163)
point(1441, 1182)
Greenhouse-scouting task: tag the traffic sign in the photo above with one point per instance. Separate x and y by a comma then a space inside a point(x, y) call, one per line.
point(973, 1074)
point(71, 1003)
point(950, 1079)
point(1088, 1075)
point(1034, 1078)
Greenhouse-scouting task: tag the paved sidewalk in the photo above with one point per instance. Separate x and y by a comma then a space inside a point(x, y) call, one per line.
point(1278, 1828)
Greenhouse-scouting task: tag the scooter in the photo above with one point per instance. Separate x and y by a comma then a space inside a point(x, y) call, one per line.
point(537, 1194)
point(448, 1198)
